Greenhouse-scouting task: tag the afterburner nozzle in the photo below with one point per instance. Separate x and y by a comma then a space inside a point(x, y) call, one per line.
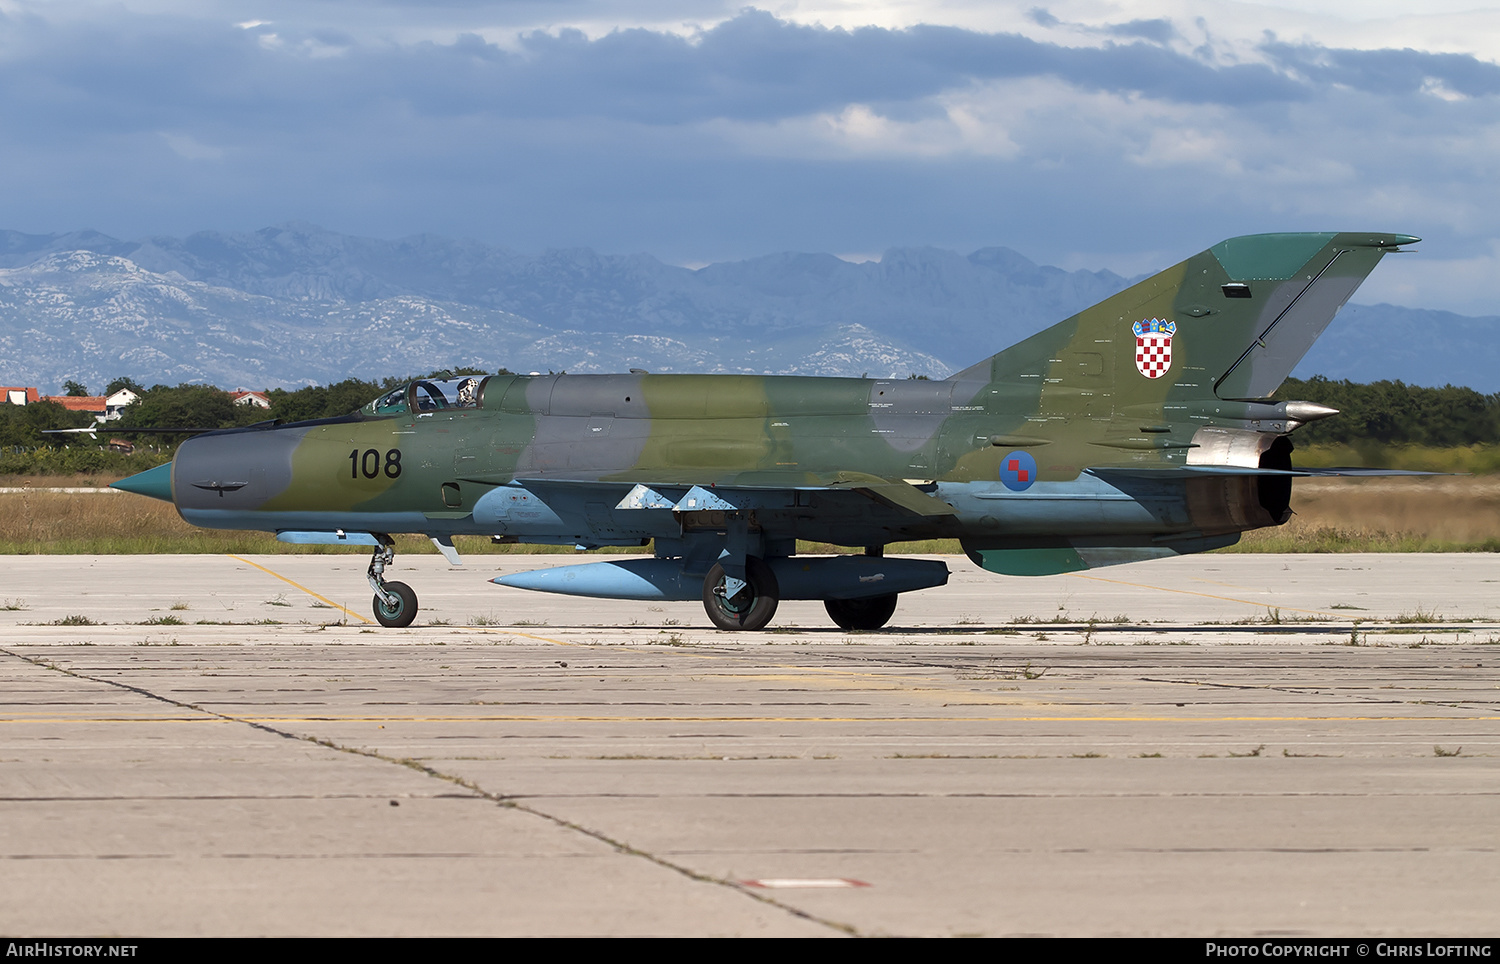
point(157, 483)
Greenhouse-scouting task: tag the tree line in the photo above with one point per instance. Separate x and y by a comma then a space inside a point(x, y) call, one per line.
point(1384, 412)
point(25, 448)
point(204, 406)
point(1395, 413)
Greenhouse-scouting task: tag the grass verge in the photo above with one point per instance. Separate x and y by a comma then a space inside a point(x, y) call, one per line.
point(1441, 514)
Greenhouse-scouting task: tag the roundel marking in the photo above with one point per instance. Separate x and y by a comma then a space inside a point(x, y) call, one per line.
point(1018, 471)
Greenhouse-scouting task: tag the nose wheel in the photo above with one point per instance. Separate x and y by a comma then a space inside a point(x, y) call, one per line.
point(395, 603)
point(398, 608)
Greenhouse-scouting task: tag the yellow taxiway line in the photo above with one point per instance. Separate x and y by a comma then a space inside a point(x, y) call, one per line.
point(298, 585)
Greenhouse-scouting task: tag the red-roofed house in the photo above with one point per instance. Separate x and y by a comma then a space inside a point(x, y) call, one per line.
point(93, 404)
point(18, 396)
point(258, 399)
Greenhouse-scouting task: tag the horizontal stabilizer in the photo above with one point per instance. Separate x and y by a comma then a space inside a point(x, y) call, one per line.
point(1358, 471)
point(1191, 471)
point(1077, 555)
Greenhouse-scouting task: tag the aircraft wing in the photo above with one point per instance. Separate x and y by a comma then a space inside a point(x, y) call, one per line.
point(752, 489)
point(897, 493)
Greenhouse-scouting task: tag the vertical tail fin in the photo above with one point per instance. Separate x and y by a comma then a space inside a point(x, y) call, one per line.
point(1229, 323)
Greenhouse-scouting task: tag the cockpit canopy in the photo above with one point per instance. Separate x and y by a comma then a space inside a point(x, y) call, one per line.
point(430, 395)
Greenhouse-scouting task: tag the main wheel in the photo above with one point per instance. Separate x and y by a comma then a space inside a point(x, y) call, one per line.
point(750, 608)
point(403, 612)
point(871, 612)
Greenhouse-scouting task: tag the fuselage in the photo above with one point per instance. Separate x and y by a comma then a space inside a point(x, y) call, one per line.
point(547, 459)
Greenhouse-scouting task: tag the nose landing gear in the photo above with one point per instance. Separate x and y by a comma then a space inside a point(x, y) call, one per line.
point(395, 603)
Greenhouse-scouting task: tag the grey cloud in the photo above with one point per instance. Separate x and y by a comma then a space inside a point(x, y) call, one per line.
point(755, 67)
point(1157, 31)
point(1390, 72)
point(124, 72)
point(121, 72)
point(1043, 17)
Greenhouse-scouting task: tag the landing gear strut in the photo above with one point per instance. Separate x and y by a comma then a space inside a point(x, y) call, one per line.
point(747, 603)
point(395, 602)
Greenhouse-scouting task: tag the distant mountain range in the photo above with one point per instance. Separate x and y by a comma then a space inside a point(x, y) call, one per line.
point(293, 304)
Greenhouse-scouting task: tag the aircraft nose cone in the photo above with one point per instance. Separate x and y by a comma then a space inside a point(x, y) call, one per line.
point(157, 483)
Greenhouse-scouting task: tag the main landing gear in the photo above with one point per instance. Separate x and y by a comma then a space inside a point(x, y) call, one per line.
point(869, 613)
point(395, 602)
point(747, 603)
point(866, 613)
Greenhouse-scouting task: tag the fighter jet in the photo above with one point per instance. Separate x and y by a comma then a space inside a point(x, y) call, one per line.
point(1136, 429)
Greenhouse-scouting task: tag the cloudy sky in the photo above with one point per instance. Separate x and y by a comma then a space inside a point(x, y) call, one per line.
point(1083, 133)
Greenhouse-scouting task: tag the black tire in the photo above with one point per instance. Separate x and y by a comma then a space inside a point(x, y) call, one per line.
point(400, 614)
point(751, 608)
point(871, 612)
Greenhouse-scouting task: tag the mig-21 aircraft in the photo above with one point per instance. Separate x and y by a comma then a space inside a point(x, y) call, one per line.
point(1136, 429)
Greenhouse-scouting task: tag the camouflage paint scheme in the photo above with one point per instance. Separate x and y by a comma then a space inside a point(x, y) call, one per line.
point(1057, 454)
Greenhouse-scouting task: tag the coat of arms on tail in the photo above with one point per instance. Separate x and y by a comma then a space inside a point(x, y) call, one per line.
point(1153, 346)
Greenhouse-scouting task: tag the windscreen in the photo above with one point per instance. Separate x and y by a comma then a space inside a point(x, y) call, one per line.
point(430, 395)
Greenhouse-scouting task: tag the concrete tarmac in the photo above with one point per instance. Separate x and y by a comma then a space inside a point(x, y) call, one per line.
point(1226, 745)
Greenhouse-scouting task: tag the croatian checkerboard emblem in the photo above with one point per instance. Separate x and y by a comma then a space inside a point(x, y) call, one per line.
point(1018, 471)
point(1153, 346)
